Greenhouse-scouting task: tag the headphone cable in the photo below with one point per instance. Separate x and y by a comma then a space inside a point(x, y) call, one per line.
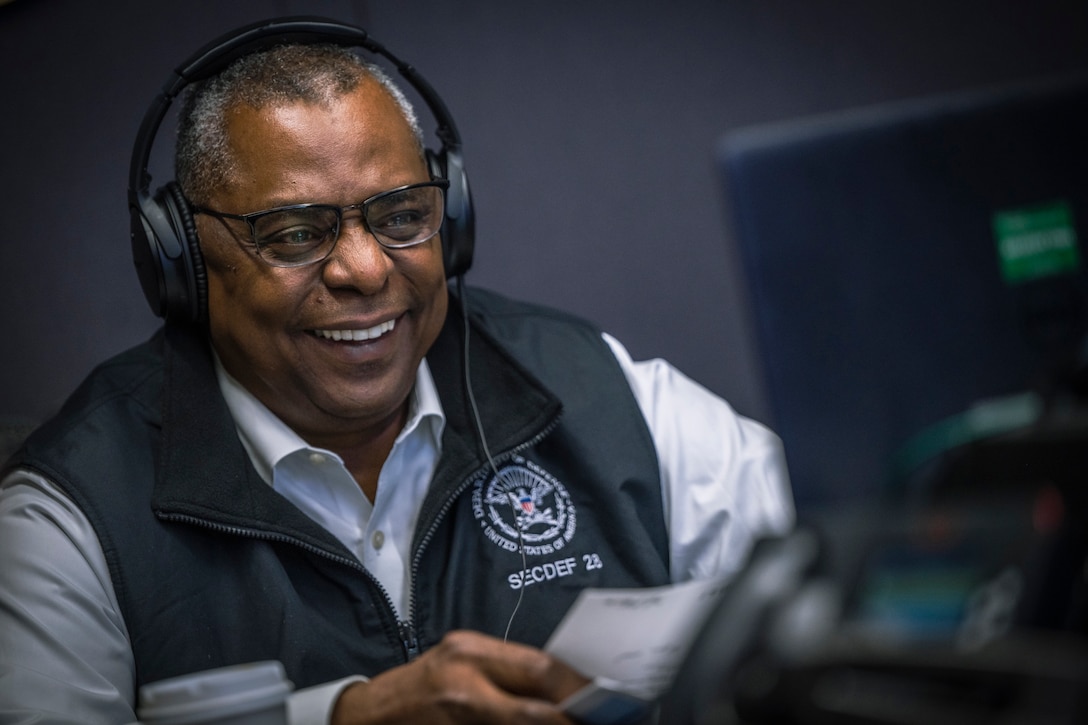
point(487, 451)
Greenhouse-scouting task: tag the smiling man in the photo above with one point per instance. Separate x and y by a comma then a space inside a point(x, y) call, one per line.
point(311, 474)
point(331, 345)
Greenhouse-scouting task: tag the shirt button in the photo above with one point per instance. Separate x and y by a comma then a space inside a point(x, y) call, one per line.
point(378, 539)
point(317, 458)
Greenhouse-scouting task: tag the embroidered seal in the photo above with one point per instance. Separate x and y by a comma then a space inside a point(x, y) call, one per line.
point(527, 499)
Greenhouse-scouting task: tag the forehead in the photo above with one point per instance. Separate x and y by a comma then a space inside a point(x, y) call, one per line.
point(344, 145)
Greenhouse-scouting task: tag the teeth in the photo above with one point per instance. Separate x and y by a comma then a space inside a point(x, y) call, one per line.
point(356, 335)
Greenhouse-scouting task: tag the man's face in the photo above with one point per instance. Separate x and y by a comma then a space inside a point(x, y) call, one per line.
point(273, 327)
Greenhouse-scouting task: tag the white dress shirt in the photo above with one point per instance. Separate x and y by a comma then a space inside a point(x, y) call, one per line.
point(64, 649)
point(316, 480)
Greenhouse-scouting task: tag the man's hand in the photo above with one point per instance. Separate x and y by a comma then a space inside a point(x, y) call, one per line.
point(468, 678)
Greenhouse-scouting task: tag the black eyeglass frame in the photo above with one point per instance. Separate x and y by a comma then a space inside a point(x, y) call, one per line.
point(362, 206)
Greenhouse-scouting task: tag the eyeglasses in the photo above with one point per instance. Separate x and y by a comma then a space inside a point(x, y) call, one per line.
point(300, 234)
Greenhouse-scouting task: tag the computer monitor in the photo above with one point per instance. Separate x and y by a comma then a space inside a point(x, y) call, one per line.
point(907, 262)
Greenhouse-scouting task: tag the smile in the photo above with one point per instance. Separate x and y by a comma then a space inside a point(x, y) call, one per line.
point(356, 335)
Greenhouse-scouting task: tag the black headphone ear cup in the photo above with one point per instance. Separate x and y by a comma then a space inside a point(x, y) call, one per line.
point(166, 250)
point(147, 250)
point(459, 225)
point(195, 305)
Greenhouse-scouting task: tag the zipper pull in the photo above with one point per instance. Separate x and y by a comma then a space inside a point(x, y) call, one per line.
point(409, 641)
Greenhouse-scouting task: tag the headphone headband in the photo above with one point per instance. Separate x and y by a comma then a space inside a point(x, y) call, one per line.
point(165, 248)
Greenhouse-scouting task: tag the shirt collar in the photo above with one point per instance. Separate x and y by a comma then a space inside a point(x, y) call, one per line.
point(268, 440)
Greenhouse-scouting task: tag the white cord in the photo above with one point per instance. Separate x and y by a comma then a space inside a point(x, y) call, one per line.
point(487, 451)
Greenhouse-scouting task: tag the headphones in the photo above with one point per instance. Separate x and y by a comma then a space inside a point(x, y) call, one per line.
point(165, 247)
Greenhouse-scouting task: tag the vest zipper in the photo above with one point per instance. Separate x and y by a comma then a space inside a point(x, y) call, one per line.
point(409, 641)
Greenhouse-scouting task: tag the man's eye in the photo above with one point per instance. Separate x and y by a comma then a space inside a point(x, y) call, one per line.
point(402, 225)
point(400, 219)
point(296, 236)
point(294, 244)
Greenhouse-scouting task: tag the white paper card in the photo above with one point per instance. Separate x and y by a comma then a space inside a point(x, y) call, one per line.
point(636, 637)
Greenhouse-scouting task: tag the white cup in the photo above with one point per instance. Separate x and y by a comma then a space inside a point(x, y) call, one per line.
point(251, 694)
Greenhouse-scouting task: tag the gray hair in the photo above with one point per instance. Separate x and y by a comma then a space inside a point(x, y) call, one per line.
point(284, 74)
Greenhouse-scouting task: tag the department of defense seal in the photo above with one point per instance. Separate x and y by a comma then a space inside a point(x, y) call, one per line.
point(527, 499)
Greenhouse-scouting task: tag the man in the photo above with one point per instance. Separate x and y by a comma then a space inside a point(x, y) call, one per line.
point(313, 476)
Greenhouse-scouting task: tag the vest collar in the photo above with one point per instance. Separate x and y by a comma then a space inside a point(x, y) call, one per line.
point(515, 407)
point(204, 474)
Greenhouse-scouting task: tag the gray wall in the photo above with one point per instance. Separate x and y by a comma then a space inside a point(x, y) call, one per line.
point(589, 134)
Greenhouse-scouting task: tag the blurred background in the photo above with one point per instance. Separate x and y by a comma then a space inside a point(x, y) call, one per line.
point(591, 136)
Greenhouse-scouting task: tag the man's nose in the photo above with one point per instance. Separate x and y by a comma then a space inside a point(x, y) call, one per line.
point(358, 260)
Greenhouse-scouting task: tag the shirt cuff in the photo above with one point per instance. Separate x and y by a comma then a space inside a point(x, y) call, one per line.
point(313, 705)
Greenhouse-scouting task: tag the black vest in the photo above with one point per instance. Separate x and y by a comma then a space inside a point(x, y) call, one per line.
point(212, 567)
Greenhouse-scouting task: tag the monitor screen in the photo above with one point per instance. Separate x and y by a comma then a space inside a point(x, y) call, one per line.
point(905, 263)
